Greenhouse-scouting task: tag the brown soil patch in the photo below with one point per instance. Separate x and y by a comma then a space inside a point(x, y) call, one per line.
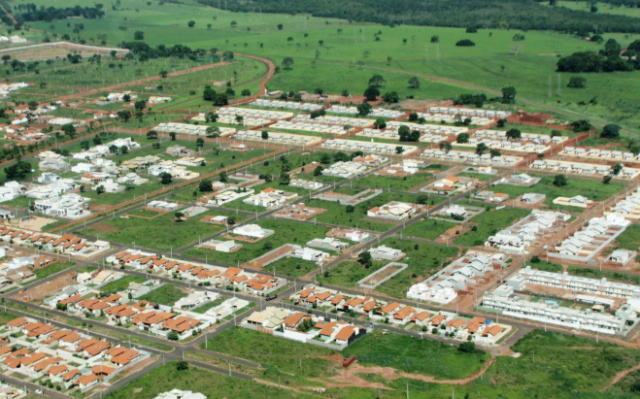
point(40, 292)
point(349, 376)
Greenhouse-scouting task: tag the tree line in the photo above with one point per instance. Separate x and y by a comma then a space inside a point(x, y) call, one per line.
point(514, 14)
point(609, 59)
point(31, 12)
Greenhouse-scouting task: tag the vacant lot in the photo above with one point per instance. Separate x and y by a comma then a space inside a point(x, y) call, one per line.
point(167, 294)
point(489, 223)
point(428, 228)
point(415, 355)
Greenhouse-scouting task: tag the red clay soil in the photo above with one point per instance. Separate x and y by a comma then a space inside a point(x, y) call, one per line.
point(349, 376)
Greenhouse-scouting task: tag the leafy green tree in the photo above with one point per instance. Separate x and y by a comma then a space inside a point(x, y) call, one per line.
point(371, 93)
point(560, 181)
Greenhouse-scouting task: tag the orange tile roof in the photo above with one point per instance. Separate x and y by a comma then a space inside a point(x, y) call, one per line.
point(69, 375)
point(293, 319)
point(345, 333)
point(390, 307)
point(403, 313)
point(99, 369)
point(87, 379)
point(19, 322)
point(456, 323)
point(437, 319)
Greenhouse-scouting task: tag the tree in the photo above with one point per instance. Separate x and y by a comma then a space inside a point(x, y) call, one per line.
point(350, 209)
point(414, 83)
point(610, 131)
point(577, 82)
point(140, 105)
point(318, 171)
point(468, 347)
point(364, 109)
point(514, 134)
point(462, 138)
point(265, 135)
point(376, 81)
point(18, 170)
point(560, 181)
point(213, 131)
point(152, 135)
point(199, 142)
point(287, 63)
point(228, 56)
point(205, 186)
point(581, 125)
point(607, 179)
point(509, 95)
point(380, 123)
point(173, 336)
point(481, 148)
point(163, 74)
point(465, 43)
point(280, 26)
point(191, 24)
point(435, 39)
point(371, 93)
point(365, 259)
point(391, 97)
point(172, 136)
point(285, 179)
point(100, 189)
point(208, 94)
point(179, 215)
point(125, 115)
point(138, 35)
point(494, 153)
point(166, 178)
point(399, 149)
point(445, 146)
point(69, 130)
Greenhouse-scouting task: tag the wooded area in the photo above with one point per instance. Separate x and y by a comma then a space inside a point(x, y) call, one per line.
point(515, 14)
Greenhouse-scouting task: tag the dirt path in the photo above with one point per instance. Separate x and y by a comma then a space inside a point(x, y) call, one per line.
point(619, 376)
point(138, 81)
point(350, 376)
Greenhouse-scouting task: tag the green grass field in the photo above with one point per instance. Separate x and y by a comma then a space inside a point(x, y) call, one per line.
point(592, 189)
point(162, 233)
point(212, 385)
point(428, 228)
point(630, 238)
point(335, 55)
point(167, 294)
point(277, 355)
point(286, 232)
point(121, 284)
point(488, 223)
point(53, 269)
point(414, 355)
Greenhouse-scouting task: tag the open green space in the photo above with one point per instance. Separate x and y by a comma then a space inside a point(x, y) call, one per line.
point(339, 214)
point(161, 233)
point(630, 238)
point(489, 223)
point(414, 355)
point(292, 267)
point(429, 229)
point(53, 269)
point(210, 384)
point(423, 259)
point(166, 294)
point(275, 354)
point(394, 183)
point(121, 284)
point(595, 190)
point(285, 232)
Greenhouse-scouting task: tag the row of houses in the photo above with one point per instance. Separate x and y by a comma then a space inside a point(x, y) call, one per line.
point(596, 153)
point(369, 148)
point(254, 283)
point(69, 359)
point(520, 236)
point(304, 327)
point(311, 126)
point(505, 301)
point(376, 112)
point(69, 244)
point(277, 137)
point(438, 322)
point(335, 120)
point(470, 158)
point(581, 168)
point(457, 278)
point(591, 239)
point(293, 105)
